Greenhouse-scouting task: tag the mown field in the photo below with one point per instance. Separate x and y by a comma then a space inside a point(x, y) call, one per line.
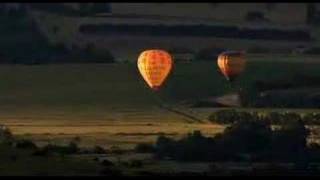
point(111, 105)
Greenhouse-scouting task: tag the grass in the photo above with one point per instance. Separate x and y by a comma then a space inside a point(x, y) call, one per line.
point(93, 90)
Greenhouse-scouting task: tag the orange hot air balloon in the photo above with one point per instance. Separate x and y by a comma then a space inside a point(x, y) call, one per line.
point(231, 64)
point(155, 66)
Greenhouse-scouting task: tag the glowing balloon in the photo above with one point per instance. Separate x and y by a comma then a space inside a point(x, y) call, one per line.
point(154, 66)
point(231, 64)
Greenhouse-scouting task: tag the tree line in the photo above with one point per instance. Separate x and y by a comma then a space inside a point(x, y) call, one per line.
point(197, 30)
point(244, 141)
point(231, 116)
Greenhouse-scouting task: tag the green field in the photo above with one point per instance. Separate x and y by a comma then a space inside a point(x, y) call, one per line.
point(110, 104)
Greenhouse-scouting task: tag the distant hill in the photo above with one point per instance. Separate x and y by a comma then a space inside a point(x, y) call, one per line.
point(61, 23)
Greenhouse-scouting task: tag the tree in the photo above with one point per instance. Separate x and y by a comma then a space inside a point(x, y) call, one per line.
point(247, 137)
point(164, 147)
point(290, 142)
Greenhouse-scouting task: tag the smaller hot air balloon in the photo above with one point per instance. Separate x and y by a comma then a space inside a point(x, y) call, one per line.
point(231, 64)
point(155, 66)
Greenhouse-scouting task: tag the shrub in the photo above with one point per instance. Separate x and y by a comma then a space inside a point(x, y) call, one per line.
point(25, 144)
point(144, 148)
point(99, 150)
point(191, 148)
point(71, 148)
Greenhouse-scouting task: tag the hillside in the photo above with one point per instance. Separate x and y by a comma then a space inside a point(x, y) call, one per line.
point(70, 35)
point(126, 46)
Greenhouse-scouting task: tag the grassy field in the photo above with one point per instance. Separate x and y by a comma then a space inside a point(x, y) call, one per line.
point(111, 105)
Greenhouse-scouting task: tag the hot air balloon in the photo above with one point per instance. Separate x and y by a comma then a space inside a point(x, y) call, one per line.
point(155, 66)
point(231, 64)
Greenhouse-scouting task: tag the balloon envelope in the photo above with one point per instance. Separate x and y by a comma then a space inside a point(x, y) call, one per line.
point(231, 64)
point(154, 66)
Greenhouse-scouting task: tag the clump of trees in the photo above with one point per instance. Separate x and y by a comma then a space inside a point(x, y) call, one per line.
point(53, 149)
point(242, 141)
point(231, 116)
point(25, 144)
